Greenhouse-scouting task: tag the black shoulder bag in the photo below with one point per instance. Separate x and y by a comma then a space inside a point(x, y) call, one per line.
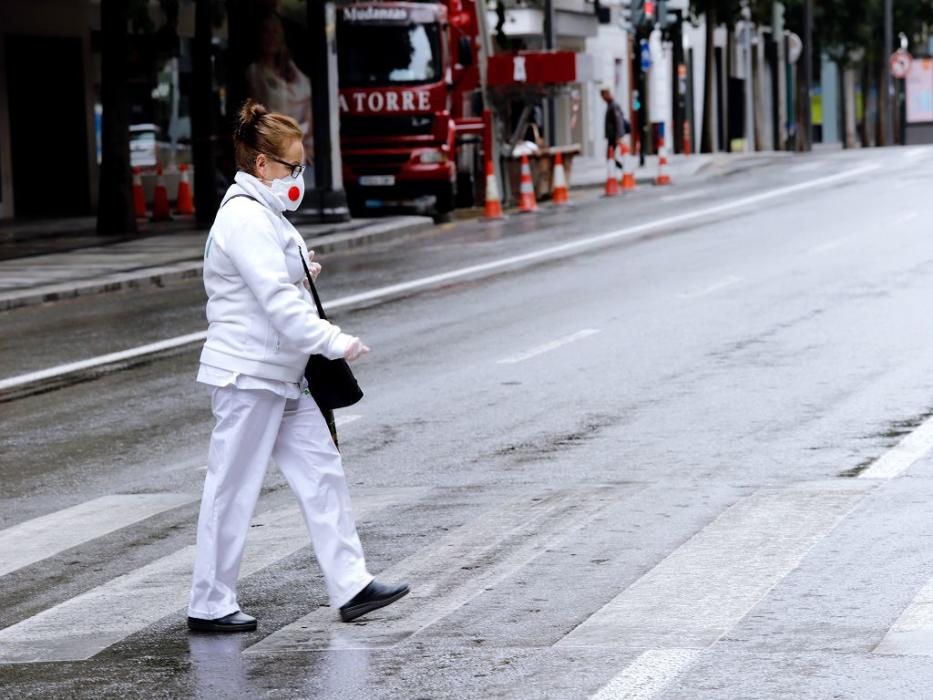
point(331, 382)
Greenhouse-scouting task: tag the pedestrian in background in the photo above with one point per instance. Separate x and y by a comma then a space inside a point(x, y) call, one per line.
point(262, 328)
point(616, 124)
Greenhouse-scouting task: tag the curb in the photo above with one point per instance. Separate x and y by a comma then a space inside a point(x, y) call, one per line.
point(191, 268)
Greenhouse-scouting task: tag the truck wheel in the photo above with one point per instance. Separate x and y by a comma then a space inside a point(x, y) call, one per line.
point(444, 204)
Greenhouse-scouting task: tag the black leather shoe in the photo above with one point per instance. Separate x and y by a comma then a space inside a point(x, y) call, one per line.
point(234, 622)
point(376, 595)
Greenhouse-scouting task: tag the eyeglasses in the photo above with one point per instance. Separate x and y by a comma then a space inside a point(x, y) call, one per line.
point(296, 168)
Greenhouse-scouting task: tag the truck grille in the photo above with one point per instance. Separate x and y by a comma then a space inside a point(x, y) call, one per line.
point(382, 126)
point(375, 163)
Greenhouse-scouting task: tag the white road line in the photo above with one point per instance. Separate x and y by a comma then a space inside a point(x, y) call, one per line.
point(648, 675)
point(826, 247)
point(547, 347)
point(686, 195)
point(708, 584)
point(806, 167)
point(81, 627)
point(911, 153)
point(101, 360)
point(343, 420)
point(903, 455)
point(454, 570)
point(46, 536)
point(403, 288)
point(912, 633)
point(715, 287)
point(907, 216)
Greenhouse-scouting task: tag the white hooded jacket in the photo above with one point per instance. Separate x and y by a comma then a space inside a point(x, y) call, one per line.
point(262, 321)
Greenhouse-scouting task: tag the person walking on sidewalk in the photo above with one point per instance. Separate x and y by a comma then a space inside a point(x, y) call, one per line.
point(616, 124)
point(262, 327)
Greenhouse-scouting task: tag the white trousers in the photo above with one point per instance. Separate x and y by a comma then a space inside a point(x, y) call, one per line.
point(252, 426)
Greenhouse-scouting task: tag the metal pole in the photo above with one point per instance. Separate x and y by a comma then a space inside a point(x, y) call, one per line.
point(328, 196)
point(888, 82)
point(550, 43)
point(808, 75)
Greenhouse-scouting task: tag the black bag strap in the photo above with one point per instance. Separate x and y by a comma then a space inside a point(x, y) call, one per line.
point(248, 196)
point(317, 299)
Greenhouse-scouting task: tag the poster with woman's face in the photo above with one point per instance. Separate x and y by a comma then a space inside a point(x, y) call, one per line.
point(277, 76)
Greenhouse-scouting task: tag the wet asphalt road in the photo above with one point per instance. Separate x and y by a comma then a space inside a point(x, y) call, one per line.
point(618, 471)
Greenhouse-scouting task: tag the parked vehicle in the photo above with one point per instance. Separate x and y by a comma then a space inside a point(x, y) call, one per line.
point(411, 124)
point(147, 150)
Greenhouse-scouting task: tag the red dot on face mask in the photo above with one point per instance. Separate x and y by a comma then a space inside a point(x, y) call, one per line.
point(294, 193)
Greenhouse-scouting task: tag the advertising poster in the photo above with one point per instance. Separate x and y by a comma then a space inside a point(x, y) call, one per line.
point(919, 86)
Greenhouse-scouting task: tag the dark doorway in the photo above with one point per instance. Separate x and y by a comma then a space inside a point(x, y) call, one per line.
point(48, 124)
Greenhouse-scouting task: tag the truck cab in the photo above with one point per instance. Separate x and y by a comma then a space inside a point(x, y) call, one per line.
point(404, 100)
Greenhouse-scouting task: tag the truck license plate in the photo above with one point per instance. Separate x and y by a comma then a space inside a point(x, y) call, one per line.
point(379, 180)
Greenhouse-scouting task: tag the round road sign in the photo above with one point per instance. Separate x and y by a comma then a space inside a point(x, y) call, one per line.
point(900, 63)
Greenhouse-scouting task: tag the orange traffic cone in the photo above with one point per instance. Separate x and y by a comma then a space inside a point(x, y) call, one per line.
point(628, 166)
point(160, 208)
point(184, 204)
point(493, 208)
point(139, 197)
point(526, 190)
point(559, 193)
point(612, 180)
point(663, 178)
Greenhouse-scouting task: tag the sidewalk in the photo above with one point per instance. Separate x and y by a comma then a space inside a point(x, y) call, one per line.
point(56, 260)
point(591, 172)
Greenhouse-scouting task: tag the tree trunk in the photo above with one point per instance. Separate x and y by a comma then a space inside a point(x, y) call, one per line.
point(707, 143)
point(115, 212)
point(202, 117)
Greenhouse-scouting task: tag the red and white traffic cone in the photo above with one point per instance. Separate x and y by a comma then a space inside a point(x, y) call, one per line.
point(526, 190)
point(493, 208)
point(139, 197)
point(160, 208)
point(612, 178)
point(663, 178)
point(184, 203)
point(559, 192)
point(628, 165)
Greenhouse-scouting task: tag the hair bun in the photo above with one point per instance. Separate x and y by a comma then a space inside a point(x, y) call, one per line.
point(250, 114)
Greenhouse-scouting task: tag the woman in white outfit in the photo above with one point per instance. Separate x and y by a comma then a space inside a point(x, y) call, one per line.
point(262, 327)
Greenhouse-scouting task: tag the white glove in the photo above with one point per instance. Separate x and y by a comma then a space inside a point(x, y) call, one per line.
point(355, 350)
point(314, 268)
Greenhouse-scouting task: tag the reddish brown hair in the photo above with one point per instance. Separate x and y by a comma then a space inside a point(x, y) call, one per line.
point(260, 131)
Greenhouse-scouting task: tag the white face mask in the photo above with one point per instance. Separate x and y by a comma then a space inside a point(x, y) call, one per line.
point(290, 191)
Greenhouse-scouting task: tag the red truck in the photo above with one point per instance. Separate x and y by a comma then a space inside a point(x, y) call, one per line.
point(410, 109)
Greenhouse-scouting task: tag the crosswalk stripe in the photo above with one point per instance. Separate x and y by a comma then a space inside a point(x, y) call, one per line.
point(48, 535)
point(648, 675)
point(447, 575)
point(81, 627)
point(903, 455)
point(703, 588)
point(912, 633)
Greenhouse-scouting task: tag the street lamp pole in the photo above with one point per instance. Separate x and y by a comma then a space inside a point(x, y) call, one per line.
point(808, 75)
point(888, 82)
